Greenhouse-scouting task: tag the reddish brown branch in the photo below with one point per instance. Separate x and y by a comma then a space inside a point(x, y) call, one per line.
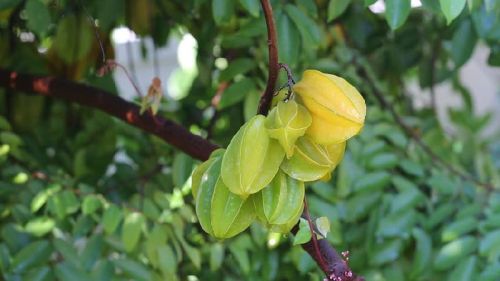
point(336, 267)
point(168, 130)
point(272, 42)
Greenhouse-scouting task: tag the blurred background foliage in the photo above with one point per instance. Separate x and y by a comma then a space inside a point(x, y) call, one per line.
point(87, 197)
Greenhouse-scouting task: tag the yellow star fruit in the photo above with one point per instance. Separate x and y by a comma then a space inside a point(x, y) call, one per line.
point(338, 110)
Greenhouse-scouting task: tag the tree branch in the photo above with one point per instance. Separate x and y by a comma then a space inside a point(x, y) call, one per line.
point(272, 42)
point(412, 134)
point(166, 129)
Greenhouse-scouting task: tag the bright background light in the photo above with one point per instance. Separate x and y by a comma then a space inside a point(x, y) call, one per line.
point(379, 6)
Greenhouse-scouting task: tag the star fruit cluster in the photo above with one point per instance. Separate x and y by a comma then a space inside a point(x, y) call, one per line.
point(261, 174)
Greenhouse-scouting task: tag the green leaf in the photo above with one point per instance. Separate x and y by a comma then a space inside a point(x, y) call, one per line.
point(396, 12)
point(372, 182)
point(311, 34)
point(38, 16)
point(250, 104)
point(369, 2)
point(458, 228)
point(181, 168)
point(103, 271)
point(396, 224)
point(41, 198)
point(236, 93)
point(411, 168)
point(166, 259)
point(90, 204)
point(489, 245)
point(131, 231)
point(216, 256)
point(32, 255)
point(92, 252)
point(490, 273)
point(451, 8)
point(288, 40)
point(474, 4)
point(360, 205)
point(111, 218)
point(237, 67)
point(7, 4)
point(40, 226)
point(406, 199)
point(323, 225)
point(68, 272)
point(423, 252)
point(452, 252)
point(442, 213)
point(443, 184)
point(4, 257)
point(383, 161)
point(463, 43)
point(73, 40)
point(304, 234)
point(42, 273)
point(109, 12)
point(133, 269)
point(465, 270)
point(385, 252)
point(252, 6)
point(239, 250)
point(336, 8)
point(222, 10)
point(67, 251)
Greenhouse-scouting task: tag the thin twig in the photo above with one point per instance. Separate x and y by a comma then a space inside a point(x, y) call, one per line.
point(96, 32)
point(214, 104)
point(290, 81)
point(411, 133)
point(272, 42)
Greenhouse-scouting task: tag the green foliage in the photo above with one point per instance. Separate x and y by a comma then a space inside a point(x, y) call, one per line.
point(86, 197)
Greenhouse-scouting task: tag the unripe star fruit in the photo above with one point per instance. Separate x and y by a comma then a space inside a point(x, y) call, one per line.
point(286, 123)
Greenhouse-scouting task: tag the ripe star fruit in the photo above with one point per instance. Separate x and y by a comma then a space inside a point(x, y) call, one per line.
point(287, 122)
point(221, 213)
point(312, 161)
point(251, 159)
point(279, 205)
point(338, 110)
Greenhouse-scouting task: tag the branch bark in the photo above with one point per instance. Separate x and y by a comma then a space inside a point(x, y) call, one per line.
point(272, 42)
point(166, 129)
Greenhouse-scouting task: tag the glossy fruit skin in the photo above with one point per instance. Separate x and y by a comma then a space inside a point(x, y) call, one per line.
point(338, 110)
point(286, 123)
point(279, 205)
point(312, 161)
point(221, 213)
point(252, 159)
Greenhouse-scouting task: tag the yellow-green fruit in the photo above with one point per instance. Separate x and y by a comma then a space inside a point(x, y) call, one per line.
point(251, 159)
point(338, 110)
point(312, 161)
point(196, 177)
point(279, 96)
point(287, 122)
point(279, 205)
point(221, 213)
